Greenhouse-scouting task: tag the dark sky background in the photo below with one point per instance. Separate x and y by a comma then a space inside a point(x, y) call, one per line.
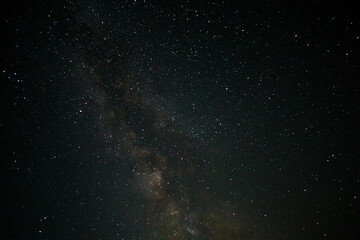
point(161, 120)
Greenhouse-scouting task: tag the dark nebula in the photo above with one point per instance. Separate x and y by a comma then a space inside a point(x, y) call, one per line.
point(179, 120)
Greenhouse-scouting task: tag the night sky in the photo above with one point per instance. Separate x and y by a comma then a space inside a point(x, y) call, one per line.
point(159, 120)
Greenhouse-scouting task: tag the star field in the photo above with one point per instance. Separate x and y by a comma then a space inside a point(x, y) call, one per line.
point(179, 120)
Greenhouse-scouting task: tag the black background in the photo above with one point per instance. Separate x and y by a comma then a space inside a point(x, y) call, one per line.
point(259, 97)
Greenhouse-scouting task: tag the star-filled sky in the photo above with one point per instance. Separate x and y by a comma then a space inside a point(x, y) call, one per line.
point(157, 120)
